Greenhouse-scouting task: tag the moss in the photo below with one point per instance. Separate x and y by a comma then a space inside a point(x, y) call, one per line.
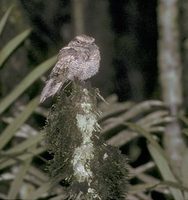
point(110, 172)
point(79, 153)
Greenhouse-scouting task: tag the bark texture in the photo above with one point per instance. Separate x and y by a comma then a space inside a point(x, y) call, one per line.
point(184, 44)
point(170, 67)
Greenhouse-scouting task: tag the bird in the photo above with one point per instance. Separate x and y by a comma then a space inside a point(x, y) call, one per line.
point(79, 60)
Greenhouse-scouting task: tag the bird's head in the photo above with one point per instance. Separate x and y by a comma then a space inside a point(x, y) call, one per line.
point(81, 40)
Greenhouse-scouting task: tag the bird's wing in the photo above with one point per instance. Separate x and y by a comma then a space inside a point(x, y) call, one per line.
point(50, 89)
point(65, 56)
point(59, 73)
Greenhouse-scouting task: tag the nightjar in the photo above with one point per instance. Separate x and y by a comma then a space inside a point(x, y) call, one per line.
point(80, 59)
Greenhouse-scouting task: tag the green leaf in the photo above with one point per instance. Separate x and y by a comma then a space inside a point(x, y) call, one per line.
point(185, 131)
point(19, 159)
point(4, 19)
point(184, 119)
point(19, 179)
point(184, 173)
point(134, 189)
point(40, 191)
point(23, 146)
point(150, 186)
point(147, 135)
point(9, 48)
point(174, 185)
point(25, 83)
point(165, 171)
point(43, 189)
point(11, 129)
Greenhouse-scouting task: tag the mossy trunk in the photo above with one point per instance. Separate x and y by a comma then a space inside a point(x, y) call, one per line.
point(81, 159)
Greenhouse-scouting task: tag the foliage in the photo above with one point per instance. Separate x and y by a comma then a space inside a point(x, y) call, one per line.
point(123, 125)
point(14, 154)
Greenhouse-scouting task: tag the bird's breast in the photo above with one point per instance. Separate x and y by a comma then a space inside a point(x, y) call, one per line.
point(83, 70)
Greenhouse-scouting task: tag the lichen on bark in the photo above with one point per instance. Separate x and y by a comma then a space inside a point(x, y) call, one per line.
point(80, 156)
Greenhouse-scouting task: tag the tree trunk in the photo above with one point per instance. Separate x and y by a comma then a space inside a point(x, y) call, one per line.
point(170, 67)
point(184, 37)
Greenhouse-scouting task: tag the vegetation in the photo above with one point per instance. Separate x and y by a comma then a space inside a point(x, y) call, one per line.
point(156, 128)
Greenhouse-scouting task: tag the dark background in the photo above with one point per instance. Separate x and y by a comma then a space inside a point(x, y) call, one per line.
point(125, 30)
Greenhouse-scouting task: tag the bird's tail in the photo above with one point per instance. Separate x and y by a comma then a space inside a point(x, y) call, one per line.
point(50, 89)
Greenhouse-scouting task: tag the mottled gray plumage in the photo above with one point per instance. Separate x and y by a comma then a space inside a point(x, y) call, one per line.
point(79, 59)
